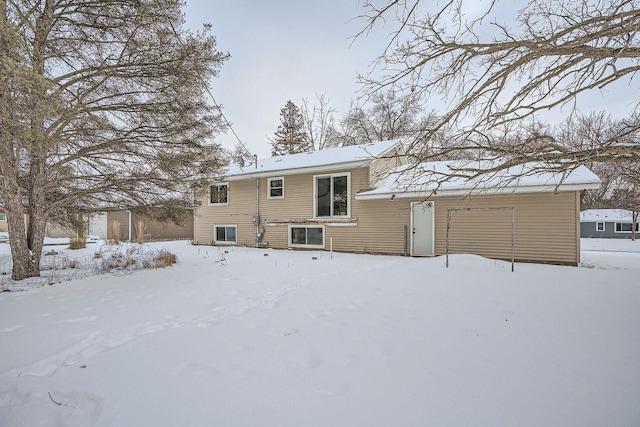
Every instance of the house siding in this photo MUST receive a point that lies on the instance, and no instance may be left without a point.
(275, 214)
(239, 212)
(379, 168)
(588, 230)
(546, 227)
(546, 224)
(153, 230)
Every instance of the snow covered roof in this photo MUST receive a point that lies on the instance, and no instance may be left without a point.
(441, 178)
(350, 156)
(605, 215)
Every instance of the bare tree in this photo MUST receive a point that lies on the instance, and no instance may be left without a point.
(319, 122)
(589, 131)
(387, 116)
(101, 104)
(500, 66)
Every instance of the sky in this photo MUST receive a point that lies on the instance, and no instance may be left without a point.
(280, 51)
(289, 50)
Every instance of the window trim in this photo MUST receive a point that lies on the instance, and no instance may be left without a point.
(615, 227)
(224, 242)
(297, 245)
(315, 195)
(218, 184)
(598, 228)
(275, 178)
(3, 217)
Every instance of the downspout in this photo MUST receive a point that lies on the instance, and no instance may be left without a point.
(129, 224)
(257, 216)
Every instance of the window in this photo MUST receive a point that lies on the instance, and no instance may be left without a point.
(224, 234)
(331, 196)
(308, 236)
(275, 188)
(625, 227)
(3, 217)
(219, 194)
(599, 226)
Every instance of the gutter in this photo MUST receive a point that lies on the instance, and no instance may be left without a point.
(400, 194)
(310, 169)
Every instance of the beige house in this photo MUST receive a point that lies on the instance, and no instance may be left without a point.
(131, 223)
(366, 199)
(3, 222)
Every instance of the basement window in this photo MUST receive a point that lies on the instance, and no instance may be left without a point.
(225, 234)
(308, 236)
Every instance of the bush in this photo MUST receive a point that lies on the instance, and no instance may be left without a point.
(165, 259)
(141, 228)
(130, 256)
(114, 231)
(77, 243)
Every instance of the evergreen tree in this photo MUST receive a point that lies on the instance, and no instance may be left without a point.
(290, 136)
(101, 104)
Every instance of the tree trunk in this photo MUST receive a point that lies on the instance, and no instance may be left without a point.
(27, 256)
(26, 262)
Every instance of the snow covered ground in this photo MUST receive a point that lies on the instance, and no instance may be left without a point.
(254, 337)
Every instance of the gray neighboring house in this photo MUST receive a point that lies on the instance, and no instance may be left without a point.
(606, 223)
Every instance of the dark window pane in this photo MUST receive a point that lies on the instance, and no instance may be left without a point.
(220, 234)
(276, 192)
(218, 193)
(340, 196)
(213, 191)
(275, 183)
(314, 236)
(222, 194)
(298, 236)
(231, 234)
(323, 194)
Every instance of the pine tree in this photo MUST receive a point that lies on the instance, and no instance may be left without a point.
(101, 104)
(290, 136)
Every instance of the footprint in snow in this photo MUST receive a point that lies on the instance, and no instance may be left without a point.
(290, 332)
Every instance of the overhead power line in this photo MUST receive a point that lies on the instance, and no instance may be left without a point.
(206, 84)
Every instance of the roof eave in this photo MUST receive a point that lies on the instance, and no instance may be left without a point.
(476, 192)
(295, 171)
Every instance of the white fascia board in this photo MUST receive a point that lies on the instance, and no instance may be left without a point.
(297, 171)
(477, 192)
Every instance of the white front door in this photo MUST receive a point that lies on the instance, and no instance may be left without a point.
(422, 216)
